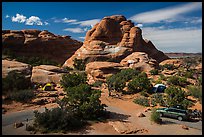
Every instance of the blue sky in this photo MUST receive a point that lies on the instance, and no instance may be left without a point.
(171, 26)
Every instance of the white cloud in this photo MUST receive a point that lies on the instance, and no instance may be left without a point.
(74, 30)
(82, 37)
(175, 40)
(139, 25)
(46, 23)
(87, 22)
(34, 20)
(7, 16)
(19, 18)
(65, 20)
(166, 14)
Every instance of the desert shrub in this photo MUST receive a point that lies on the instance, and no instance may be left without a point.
(128, 74)
(15, 80)
(56, 119)
(195, 91)
(86, 100)
(72, 79)
(140, 83)
(155, 117)
(118, 81)
(97, 84)
(145, 94)
(159, 98)
(176, 96)
(79, 64)
(200, 80)
(66, 68)
(158, 81)
(162, 77)
(168, 66)
(189, 74)
(23, 96)
(153, 102)
(190, 61)
(80, 104)
(154, 71)
(115, 83)
(142, 101)
(178, 81)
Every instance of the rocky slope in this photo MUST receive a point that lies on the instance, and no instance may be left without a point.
(36, 43)
(113, 39)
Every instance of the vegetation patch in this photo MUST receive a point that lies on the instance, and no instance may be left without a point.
(143, 101)
(80, 104)
(155, 117)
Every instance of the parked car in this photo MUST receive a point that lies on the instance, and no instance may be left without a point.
(180, 114)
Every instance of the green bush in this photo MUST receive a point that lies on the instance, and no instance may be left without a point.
(79, 64)
(168, 66)
(86, 100)
(23, 96)
(155, 117)
(195, 91)
(176, 96)
(145, 94)
(80, 104)
(115, 83)
(15, 80)
(72, 79)
(97, 84)
(159, 98)
(118, 81)
(142, 101)
(56, 119)
(154, 71)
(177, 81)
(140, 83)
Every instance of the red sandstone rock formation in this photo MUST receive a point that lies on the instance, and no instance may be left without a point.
(38, 43)
(113, 39)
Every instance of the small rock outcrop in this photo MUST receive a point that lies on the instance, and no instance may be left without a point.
(100, 70)
(141, 61)
(36, 43)
(47, 73)
(8, 66)
(113, 39)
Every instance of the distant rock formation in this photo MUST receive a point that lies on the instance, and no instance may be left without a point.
(36, 43)
(113, 39)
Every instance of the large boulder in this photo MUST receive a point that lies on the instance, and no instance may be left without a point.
(141, 61)
(113, 39)
(98, 71)
(11, 65)
(37, 43)
(46, 74)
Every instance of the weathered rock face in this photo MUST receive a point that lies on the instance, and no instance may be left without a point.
(47, 73)
(40, 44)
(8, 66)
(100, 70)
(141, 61)
(175, 62)
(113, 39)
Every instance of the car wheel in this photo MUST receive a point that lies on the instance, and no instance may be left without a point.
(161, 114)
(180, 118)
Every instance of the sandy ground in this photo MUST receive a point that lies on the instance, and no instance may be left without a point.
(124, 119)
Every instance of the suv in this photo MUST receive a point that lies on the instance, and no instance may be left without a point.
(172, 112)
